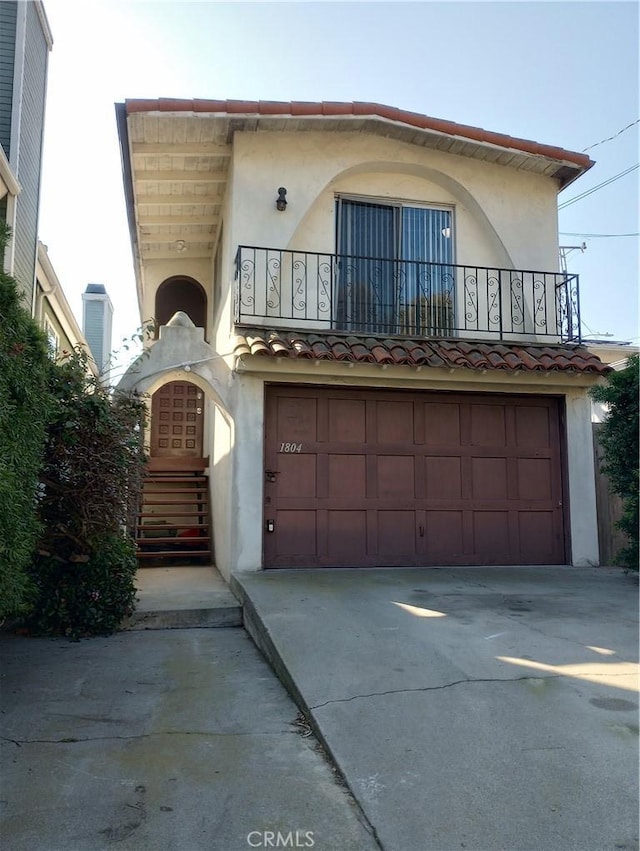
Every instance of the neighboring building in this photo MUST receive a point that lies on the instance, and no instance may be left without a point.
(54, 315)
(615, 353)
(97, 319)
(25, 42)
(354, 342)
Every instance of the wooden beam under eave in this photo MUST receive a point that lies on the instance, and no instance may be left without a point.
(191, 254)
(178, 220)
(179, 177)
(178, 200)
(204, 237)
(179, 150)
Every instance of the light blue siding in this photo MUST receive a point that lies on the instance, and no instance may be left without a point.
(30, 150)
(94, 329)
(8, 18)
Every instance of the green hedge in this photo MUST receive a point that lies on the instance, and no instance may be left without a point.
(84, 597)
(90, 477)
(71, 464)
(25, 405)
(619, 440)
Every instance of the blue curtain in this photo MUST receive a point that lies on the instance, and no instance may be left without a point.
(367, 243)
(425, 296)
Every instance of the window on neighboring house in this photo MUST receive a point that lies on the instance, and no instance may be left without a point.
(395, 272)
(53, 340)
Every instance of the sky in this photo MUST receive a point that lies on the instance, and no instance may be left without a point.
(560, 73)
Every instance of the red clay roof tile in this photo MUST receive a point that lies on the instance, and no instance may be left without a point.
(434, 353)
(339, 349)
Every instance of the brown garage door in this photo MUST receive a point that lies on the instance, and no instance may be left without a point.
(365, 478)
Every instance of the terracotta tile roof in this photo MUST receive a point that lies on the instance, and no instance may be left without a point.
(358, 110)
(437, 353)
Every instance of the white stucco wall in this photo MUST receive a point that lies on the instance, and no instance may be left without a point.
(496, 208)
(581, 476)
(495, 211)
(220, 480)
(248, 476)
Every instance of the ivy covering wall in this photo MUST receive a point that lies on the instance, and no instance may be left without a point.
(71, 462)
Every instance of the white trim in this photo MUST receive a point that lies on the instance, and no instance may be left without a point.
(10, 251)
(44, 23)
(7, 176)
(18, 85)
(53, 338)
(251, 122)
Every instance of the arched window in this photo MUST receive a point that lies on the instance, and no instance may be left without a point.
(181, 293)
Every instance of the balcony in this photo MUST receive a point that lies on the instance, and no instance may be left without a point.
(309, 291)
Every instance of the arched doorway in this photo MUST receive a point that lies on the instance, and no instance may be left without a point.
(174, 519)
(177, 424)
(181, 293)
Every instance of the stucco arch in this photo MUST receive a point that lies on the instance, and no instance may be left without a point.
(425, 172)
(183, 375)
(181, 354)
(181, 292)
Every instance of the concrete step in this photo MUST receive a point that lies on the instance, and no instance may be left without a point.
(183, 598)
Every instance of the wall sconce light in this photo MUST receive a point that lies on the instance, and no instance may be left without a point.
(281, 201)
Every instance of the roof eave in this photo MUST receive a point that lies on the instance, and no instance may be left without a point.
(571, 164)
(129, 195)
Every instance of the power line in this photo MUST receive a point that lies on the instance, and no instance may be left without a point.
(599, 186)
(597, 235)
(615, 136)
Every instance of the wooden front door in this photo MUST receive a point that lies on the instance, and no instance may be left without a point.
(382, 478)
(176, 421)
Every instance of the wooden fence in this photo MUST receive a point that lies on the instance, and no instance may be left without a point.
(609, 507)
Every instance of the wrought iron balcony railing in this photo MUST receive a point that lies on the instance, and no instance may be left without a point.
(363, 295)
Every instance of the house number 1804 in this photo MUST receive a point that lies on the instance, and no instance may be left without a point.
(290, 447)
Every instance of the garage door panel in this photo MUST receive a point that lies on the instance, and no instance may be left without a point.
(535, 478)
(441, 423)
(397, 533)
(347, 535)
(444, 535)
(538, 537)
(347, 421)
(489, 478)
(296, 476)
(415, 478)
(297, 420)
(443, 477)
(394, 422)
(488, 425)
(347, 476)
(491, 538)
(395, 477)
(295, 534)
(532, 427)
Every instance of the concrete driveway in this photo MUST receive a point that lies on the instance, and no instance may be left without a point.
(491, 709)
(163, 740)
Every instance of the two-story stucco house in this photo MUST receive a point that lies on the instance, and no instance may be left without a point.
(366, 352)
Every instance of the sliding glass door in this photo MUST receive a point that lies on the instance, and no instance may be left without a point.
(394, 268)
